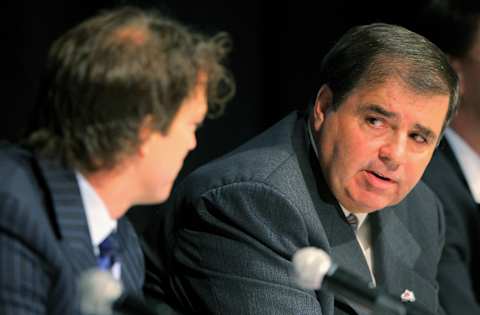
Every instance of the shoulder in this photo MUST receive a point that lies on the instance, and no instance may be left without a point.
(17, 170)
(266, 160)
(23, 201)
(20, 181)
(13, 159)
(258, 185)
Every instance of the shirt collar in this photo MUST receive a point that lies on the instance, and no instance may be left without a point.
(100, 224)
(360, 216)
(469, 161)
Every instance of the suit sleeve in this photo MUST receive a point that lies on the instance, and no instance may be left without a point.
(234, 250)
(24, 279)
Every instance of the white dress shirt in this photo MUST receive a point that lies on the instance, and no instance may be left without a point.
(100, 223)
(469, 161)
(364, 238)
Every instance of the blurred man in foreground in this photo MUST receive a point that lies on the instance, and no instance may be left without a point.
(125, 93)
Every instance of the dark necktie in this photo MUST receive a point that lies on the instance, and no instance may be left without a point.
(353, 221)
(109, 252)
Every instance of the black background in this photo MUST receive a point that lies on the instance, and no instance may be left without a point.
(278, 47)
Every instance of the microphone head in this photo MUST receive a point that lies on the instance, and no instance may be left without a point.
(97, 291)
(311, 264)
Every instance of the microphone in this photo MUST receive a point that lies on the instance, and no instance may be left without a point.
(314, 269)
(101, 294)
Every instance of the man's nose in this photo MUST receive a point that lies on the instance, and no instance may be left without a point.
(393, 152)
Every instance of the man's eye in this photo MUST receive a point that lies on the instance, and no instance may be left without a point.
(418, 138)
(374, 122)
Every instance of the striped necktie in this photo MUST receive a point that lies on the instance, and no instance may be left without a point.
(353, 221)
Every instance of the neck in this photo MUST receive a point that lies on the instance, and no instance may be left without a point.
(114, 186)
(466, 125)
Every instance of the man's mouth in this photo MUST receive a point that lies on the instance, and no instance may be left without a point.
(381, 176)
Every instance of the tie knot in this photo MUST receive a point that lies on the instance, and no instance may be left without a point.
(109, 249)
(353, 221)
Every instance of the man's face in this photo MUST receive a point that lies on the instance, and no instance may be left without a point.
(374, 148)
(165, 152)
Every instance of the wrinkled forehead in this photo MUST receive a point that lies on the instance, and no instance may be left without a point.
(420, 77)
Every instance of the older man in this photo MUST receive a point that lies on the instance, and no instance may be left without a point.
(343, 177)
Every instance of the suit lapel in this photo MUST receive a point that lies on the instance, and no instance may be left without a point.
(344, 247)
(393, 245)
(132, 263)
(70, 216)
(75, 240)
(396, 254)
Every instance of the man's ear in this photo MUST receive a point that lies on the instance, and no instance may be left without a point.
(323, 103)
(145, 133)
(457, 65)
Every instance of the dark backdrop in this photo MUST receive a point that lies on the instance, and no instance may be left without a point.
(277, 52)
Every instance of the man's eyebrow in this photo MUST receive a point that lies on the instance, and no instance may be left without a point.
(374, 108)
(427, 132)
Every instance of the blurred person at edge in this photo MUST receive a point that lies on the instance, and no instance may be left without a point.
(454, 173)
(125, 93)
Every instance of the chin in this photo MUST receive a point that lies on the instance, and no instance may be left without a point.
(365, 201)
(367, 206)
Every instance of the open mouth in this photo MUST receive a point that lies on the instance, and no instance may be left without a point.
(380, 176)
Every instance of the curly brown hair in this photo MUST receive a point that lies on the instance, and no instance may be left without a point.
(109, 73)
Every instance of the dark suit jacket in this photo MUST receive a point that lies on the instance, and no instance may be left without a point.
(459, 273)
(241, 218)
(44, 239)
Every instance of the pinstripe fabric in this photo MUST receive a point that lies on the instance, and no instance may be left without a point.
(44, 240)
